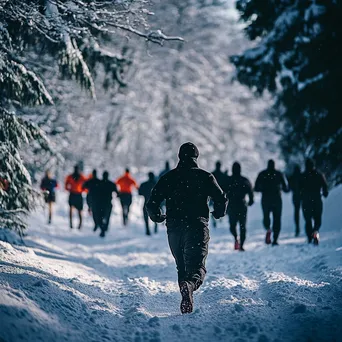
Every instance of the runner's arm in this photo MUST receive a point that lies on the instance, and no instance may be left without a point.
(154, 202)
(218, 197)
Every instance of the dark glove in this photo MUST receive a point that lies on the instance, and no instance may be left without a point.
(251, 202)
(216, 215)
(158, 218)
(325, 194)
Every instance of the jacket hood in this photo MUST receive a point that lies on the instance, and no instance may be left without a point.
(188, 151)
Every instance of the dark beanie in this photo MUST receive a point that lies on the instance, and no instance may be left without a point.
(188, 150)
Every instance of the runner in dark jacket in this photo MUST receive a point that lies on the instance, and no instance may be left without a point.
(103, 204)
(271, 183)
(92, 186)
(312, 186)
(186, 190)
(49, 185)
(145, 190)
(294, 186)
(237, 188)
(221, 178)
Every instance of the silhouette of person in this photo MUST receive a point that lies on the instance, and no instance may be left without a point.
(166, 170)
(126, 184)
(186, 190)
(270, 183)
(49, 185)
(145, 190)
(103, 203)
(221, 178)
(294, 186)
(92, 186)
(312, 186)
(237, 188)
(74, 184)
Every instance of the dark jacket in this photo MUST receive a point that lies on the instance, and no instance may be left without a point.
(313, 185)
(145, 189)
(92, 185)
(237, 187)
(294, 182)
(49, 184)
(106, 189)
(186, 190)
(220, 177)
(270, 183)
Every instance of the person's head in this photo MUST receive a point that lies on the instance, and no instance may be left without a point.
(271, 164)
(48, 174)
(151, 176)
(236, 169)
(94, 173)
(188, 151)
(76, 170)
(167, 165)
(296, 169)
(105, 175)
(218, 165)
(127, 170)
(309, 164)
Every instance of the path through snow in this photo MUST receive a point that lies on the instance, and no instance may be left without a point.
(67, 285)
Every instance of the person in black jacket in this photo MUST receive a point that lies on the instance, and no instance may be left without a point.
(186, 190)
(92, 186)
(49, 186)
(270, 183)
(221, 178)
(294, 186)
(145, 190)
(103, 203)
(312, 186)
(237, 188)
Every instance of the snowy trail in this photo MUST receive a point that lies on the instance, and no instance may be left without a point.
(67, 285)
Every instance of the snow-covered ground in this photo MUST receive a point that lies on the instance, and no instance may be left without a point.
(67, 285)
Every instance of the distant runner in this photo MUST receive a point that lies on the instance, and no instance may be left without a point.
(271, 183)
(312, 186)
(49, 186)
(294, 186)
(126, 184)
(145, 190)
(74, 184)
(238, 187)
(103, 202)
(92, 186)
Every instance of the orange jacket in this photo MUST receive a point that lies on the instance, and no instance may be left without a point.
(126, 183)
(75, 186)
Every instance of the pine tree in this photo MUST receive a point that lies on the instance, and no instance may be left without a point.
(72, 35)
(297, 58)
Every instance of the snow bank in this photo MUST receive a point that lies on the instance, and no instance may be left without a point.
(72, 286)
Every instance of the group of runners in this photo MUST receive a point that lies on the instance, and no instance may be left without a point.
(99, 195)
(306, 188)
(180, 197)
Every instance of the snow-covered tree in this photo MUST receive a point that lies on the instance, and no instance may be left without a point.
(71, 35)
(297, 58)
(178, 93)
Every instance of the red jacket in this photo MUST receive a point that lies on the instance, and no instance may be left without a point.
(126, 183)
(75, 186)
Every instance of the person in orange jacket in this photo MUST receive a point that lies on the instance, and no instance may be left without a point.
(126, 184)
(74, 184)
